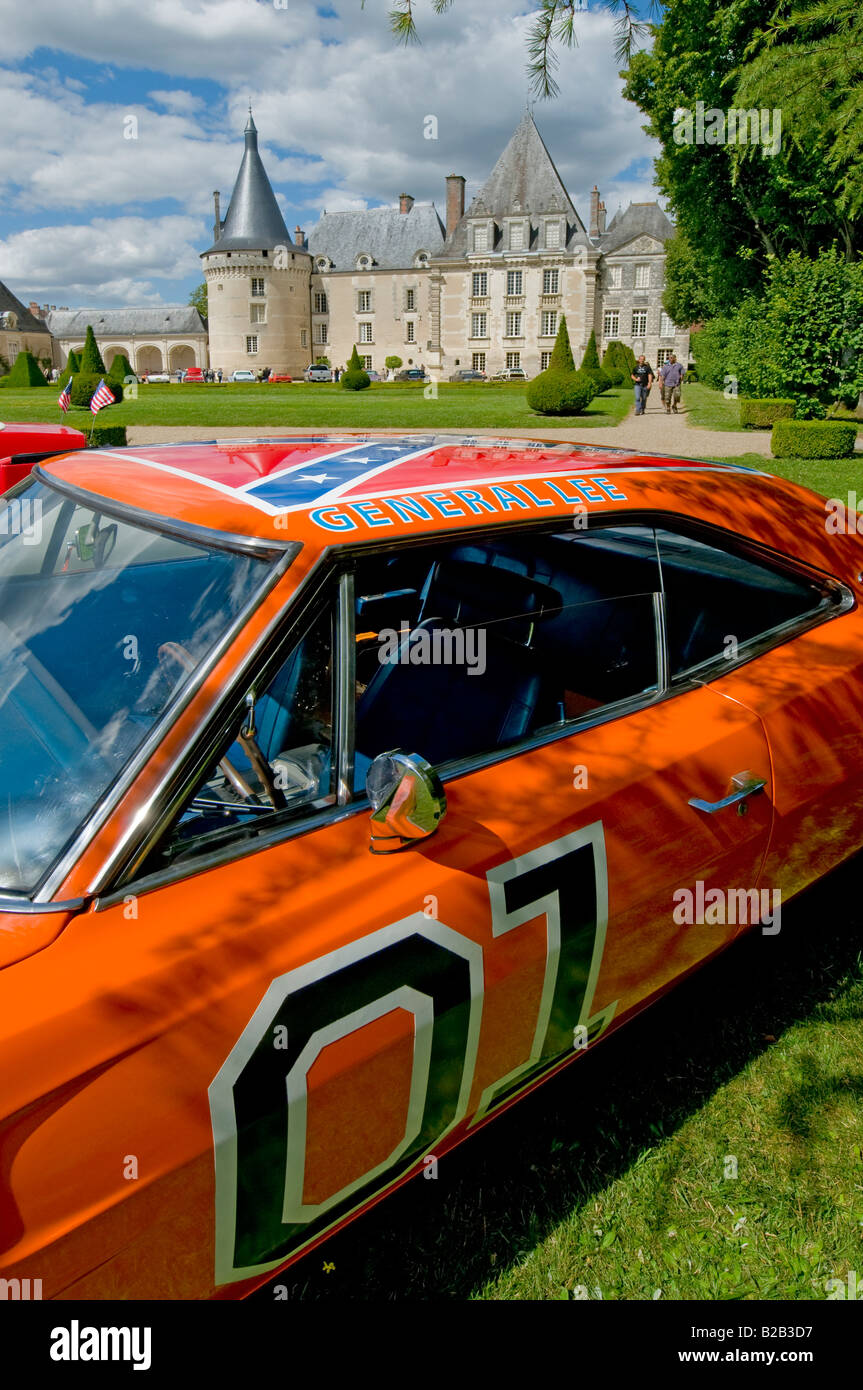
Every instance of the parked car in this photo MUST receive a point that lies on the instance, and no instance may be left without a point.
(317, 372)
(411, 374)
(155, 378)
(243, 375)
(468, 376)
(209, 958)
(372, 374)
(279, 376)
(22, 446)
(511, 374)
(192, 374)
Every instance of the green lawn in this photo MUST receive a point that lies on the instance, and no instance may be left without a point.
(710, 1150)
(709, 409)
(829, 477)
(322, 406)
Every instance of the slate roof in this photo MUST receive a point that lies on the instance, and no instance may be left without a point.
(639, 219)
(254, 221)
(175, 319)
(27, 322)
(524, 179)
(390, 237)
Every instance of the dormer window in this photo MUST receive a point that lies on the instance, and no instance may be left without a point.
(421, 260)
(517, 236)
(323, 263)
(553, 237)
(364, 261)
(480, 238)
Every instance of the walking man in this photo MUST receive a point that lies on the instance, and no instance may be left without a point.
(642, 375)
(670, 377)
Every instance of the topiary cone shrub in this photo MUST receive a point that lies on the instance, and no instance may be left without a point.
(354, 377)
(91, 357)
(26, 372)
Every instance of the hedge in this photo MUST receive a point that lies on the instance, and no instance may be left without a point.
(107, 436)
(813, 439)
(762, 414)
(560, 393)
(84, 384)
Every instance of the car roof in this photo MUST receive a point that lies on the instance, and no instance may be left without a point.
(330, 489)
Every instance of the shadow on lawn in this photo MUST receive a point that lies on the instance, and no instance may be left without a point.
(500, 1193)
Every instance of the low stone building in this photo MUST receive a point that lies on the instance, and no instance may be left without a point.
(22, 331)
(164, 338)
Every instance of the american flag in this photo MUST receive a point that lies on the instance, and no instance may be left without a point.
(65, 396)
(101, 396)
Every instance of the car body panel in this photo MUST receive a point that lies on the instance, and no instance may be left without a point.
(134, 1024)
(22, 445)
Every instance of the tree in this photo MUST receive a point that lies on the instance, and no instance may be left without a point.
(73, 362)
(735, 206)
(198, 300)
(800, 337)
(809, 63)
(562, 359)
(91, 357)
(392, 363)
(553, 28)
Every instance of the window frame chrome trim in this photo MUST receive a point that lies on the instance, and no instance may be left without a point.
(345, 688)
(257, 546)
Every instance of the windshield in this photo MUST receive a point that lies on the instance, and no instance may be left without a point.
(101, 623)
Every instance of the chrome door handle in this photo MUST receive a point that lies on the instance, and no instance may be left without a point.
(746, 785)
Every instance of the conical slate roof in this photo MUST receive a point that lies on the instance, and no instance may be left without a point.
(254, 221)
(524, 179)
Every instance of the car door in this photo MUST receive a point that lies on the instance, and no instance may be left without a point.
(265, 1025)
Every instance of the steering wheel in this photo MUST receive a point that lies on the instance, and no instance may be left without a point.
(175, 651)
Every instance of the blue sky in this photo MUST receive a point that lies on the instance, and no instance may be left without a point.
(116, 136)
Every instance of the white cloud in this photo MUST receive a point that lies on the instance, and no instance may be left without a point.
(180, 102)
(348, 115)
(107, 261)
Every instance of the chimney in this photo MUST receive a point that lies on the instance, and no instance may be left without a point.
(594, 212)
(299, 236)
(601, 219)
(406, 202)
(454, 202)
(34, 309)
(217, 225)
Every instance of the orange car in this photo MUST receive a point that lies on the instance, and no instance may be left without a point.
(353, 785)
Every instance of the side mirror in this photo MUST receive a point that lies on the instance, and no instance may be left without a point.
(408, 801)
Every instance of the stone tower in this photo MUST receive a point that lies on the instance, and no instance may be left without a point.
(258, 279)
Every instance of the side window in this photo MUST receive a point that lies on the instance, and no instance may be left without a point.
(716, 601)
(275, 762)
(468, 648)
